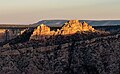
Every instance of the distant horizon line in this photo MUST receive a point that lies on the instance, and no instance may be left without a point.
(63, 19)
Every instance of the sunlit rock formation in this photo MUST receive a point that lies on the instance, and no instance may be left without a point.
(42, 30)
(70, 27)
(74, 26)
(87, 27)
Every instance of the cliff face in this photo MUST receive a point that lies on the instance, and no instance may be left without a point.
(70, 27)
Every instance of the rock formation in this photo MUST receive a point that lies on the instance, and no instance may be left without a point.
(42, 30)
(87, 27)
(74, 26)
(70, 27)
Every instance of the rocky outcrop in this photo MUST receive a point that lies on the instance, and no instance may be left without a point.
(70, 27)
(86, 27)
(73, 26)
(41, 30)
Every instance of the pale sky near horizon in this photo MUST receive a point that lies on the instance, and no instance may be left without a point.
(31, 11)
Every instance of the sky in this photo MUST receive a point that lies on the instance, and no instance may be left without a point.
(32, 11)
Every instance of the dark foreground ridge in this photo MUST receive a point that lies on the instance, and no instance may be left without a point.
(93, 56)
